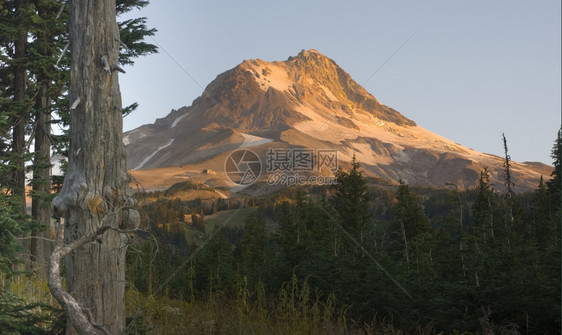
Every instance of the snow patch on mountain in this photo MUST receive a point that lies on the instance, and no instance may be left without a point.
(178, 119)
(127, 138)
(252, 140)
(153, 154)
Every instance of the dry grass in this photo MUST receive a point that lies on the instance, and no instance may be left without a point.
(32, 289)
(294, 311)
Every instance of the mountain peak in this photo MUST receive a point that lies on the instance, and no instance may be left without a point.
(307, 101)
(310, 53)
(316, 67)
(313, 60)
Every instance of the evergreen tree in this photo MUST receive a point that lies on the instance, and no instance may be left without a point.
(252, 250)
(482, 232)
(294, 236)
(133, 33)
(34, 81)
(410, 221)
(10, 226)
(554, 184)
(507, 169)
(16, 316)
(47, 81)
(215, 272)
(509, 193)
(351, 200)
(541, 215)
(483, 207)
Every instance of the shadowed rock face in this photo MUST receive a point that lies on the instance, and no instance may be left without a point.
(308, 101)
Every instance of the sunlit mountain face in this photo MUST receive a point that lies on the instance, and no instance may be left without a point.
(309, 103)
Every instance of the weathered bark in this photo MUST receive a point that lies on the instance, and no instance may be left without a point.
(96, 181)
(79, 317)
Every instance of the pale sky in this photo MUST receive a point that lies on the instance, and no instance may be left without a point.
(472, 71)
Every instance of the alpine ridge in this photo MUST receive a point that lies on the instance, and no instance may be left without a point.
(308, 101)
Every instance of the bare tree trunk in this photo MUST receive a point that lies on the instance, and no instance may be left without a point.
(95, 189)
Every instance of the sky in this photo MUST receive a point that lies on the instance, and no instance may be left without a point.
(466, 70)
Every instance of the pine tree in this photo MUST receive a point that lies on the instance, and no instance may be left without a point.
(16, 316)
(483, 207)
(351, 200)
(47, 78)
(515, 231)
(252, 250)
(543, 230)
(294, 233)
(410, 221)
(507, 169)
(481, 237)
(554, 184)
(509, 194)
(15, 104)
(33, 85)
(133, 33)
(215, 272)
(10, 226)
(20, 115)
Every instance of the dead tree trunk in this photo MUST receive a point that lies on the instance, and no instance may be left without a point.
(94, 192)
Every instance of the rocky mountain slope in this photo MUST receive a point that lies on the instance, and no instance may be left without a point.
(308, 101)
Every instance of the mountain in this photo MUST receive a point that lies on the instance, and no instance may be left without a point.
(306, 102)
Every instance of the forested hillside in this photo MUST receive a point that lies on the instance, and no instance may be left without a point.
(358, 257)
(373, 257)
